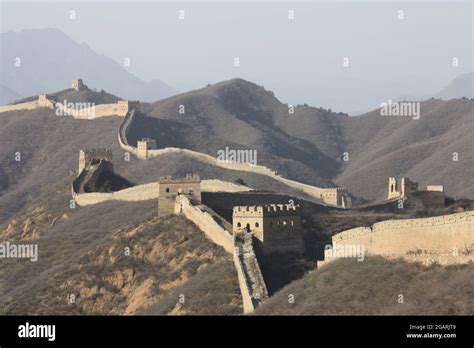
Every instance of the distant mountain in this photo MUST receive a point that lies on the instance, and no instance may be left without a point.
(49, 59)
(461, 86)
(8, 95)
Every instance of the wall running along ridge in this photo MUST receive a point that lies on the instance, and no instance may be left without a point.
(122, 133)
(325, 195)
(145, 192)
(251, 282)
(100, 110)
(446, 239)
(202, 216)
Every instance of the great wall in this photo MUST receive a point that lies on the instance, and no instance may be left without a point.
(331, 196)
(148, 191)
(240, 245)
(336, 196)
(121, 108)
(444, 239)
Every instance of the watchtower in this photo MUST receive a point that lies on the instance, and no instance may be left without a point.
(125, 106)
(171, 187)
(144, 145)
(335, 196)
(77, 85)
(94, 156)
(276, 227)
(404, 190)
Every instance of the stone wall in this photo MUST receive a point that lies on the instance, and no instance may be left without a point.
(97, 111)
(214, 185)
(131, 194)
(251, 282)
(445, 239)
(35, 104)
(252, 285)
(316, 192)
(323, 195)
(143, 192)
(123, 132)
(204, 218)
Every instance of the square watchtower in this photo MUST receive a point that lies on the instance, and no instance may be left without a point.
(170, 188)
(77, 85)
(276, 227)
(144, 145)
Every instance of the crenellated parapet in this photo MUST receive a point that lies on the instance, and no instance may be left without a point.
(276, 227)
(446, 239)
(173, 187)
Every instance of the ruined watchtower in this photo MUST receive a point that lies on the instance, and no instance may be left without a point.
(404, 190)
(93, 157)
(125, 106)
(171, 187)
(77, 85)
(408, 190)
(144, 145)
(276, 227)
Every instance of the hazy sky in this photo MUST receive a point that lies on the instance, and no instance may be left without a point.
(301, 60)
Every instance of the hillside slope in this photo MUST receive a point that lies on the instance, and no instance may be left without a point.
(421, 149)
(372, 287)
(241, 115)
(83, 252)
(8, 95)
(306, 146)
(49, 151)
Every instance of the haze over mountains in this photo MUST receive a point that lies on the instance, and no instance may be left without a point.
(48, 59)
(461, 86)
(48, 70)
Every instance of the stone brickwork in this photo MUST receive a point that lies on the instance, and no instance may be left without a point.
(126, 105)
(276, 227)
(148, 191)
(444, 239)
(335, 196)
(206, 219)
(171, 187)
(121, 108)
(408, 190)
(251, 282)
(145, 145)
(404, 189)
(77, 85)
(329, 196)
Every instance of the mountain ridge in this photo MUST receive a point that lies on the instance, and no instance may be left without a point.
(50, 70)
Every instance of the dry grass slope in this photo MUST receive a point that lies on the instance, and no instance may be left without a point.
(83, 253)
(372, 287)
